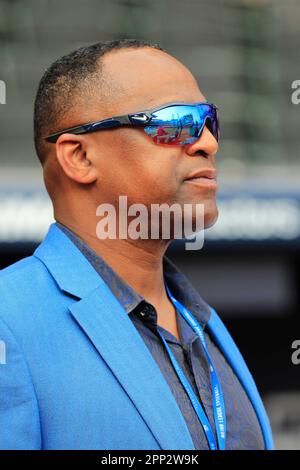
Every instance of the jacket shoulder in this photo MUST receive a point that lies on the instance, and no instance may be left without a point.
(29, 271)
(25, 263)
(25, 287)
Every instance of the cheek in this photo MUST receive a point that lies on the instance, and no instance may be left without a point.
(138, 168)
(161, 178)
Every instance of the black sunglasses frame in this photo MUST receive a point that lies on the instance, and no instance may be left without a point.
(138, 119)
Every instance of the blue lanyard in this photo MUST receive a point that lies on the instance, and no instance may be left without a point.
(218, 400)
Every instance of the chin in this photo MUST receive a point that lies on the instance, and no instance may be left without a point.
(210, 217)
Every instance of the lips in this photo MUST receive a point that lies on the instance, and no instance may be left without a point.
(202, 175)
(206, 176)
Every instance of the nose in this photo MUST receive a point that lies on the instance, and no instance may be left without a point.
(206, 143)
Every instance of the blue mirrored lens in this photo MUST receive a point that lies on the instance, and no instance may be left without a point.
(182, 124)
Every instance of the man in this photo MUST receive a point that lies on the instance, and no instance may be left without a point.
(108, 345)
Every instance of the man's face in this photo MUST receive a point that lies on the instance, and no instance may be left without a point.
(128, 162)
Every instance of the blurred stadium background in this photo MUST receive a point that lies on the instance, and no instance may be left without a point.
(245, 55)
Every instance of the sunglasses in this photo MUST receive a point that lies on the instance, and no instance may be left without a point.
(172, 124)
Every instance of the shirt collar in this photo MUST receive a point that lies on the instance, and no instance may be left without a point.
(178, 284)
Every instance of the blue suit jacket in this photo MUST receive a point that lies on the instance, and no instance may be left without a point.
(71, 379)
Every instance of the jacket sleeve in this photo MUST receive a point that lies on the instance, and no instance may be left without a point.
(19, 417)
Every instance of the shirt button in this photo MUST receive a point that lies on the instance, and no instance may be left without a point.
(147, 311)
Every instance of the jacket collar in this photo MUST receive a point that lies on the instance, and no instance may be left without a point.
(68, 266)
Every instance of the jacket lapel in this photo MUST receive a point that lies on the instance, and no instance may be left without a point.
(112, 333)
(120, 345)
(230, 351)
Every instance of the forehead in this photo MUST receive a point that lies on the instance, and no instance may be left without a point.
(145, 78)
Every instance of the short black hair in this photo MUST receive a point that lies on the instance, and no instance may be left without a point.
(65, 78)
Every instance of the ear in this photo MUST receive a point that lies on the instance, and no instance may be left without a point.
(72, 155)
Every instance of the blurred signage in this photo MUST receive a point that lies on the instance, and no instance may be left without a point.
(26, 216)
(257, 217)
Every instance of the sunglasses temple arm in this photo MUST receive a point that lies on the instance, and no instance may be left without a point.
(117, 121)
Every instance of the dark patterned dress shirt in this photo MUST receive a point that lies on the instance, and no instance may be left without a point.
(243, 429)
